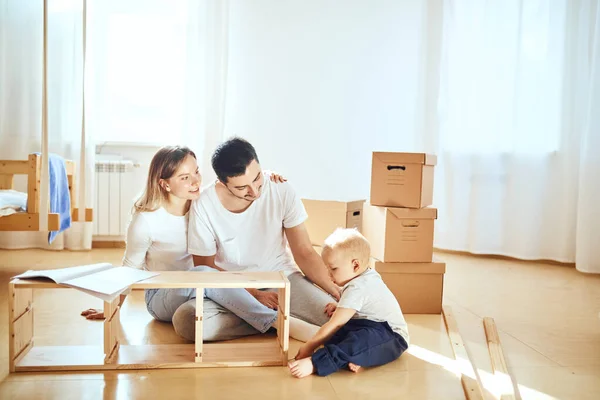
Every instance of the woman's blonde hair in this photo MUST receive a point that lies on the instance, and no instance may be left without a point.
(163, 165)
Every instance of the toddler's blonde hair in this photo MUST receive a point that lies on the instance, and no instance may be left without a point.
(351, 242)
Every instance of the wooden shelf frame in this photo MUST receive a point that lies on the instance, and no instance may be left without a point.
(30, 220)
(111, 355)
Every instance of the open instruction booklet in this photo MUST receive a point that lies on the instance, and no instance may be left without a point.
(104, 280)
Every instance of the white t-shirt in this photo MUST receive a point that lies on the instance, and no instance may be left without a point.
(253, 240)
(157, 241)
(373, 300)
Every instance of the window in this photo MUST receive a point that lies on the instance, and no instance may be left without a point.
(501, 76)
(139, 64)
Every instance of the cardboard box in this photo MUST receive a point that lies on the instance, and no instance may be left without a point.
(418, 287)
(399, 234)
(324, 216)
(402, 179)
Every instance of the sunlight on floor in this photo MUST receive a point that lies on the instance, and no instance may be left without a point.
(497, 384)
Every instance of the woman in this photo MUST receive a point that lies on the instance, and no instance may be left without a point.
(157, 241)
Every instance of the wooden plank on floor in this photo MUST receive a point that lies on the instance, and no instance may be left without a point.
(469, 378)
(507, 382)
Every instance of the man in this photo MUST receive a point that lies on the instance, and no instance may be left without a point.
(241, 223)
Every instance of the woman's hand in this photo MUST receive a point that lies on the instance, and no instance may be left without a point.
(275, 177)
(92, 313)
(269, 299)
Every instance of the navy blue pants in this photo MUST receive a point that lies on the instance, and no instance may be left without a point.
(362, 342)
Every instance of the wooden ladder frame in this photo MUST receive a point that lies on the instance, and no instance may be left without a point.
(25, 357)
(30, 220)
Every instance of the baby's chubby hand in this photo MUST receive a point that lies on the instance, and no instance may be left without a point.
(330, 309)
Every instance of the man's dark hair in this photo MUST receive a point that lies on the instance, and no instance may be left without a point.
(232, 157)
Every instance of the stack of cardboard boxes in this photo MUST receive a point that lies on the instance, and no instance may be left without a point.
(399, 224)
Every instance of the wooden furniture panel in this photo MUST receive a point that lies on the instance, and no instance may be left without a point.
(112, 355)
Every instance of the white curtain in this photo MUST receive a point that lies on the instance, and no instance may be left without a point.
(206, 80)
(158, 72)
(587, 17)
(517, 124)
(21, 69)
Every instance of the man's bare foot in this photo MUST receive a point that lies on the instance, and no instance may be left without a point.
(353, 367)
(92, 313)
(301, 368)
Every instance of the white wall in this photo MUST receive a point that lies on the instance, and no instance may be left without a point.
(317, 86)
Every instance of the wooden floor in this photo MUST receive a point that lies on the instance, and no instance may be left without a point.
(547, 315)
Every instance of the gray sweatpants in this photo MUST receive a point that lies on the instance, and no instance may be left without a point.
(307, 302)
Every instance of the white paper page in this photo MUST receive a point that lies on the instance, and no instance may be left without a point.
(110, 282)
(104, 297)
(62, 275)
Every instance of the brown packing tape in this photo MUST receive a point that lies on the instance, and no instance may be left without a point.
(405, 158)
(435, 267)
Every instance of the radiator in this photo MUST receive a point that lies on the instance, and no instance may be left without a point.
(115, 191)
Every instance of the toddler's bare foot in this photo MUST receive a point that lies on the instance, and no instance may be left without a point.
(301, 368)
(353, 367)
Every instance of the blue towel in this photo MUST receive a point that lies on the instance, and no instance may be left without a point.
(60, 200)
